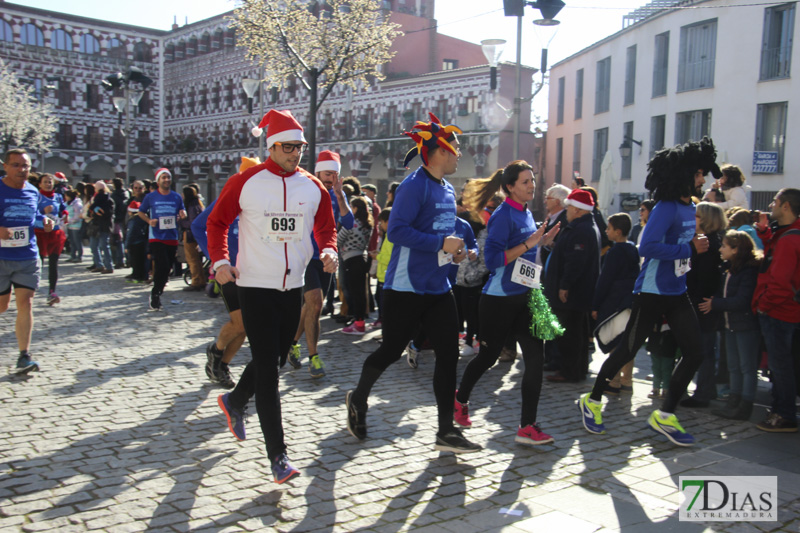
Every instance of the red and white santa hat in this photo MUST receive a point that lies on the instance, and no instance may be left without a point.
(163, 170)
(580, 199)
(328, 160)
(133, 207)
(281, 127)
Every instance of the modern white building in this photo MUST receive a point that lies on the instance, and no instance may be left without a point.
(679, 70)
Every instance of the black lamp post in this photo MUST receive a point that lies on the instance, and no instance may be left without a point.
(123, 104)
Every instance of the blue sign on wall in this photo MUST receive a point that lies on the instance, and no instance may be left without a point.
(765, 162)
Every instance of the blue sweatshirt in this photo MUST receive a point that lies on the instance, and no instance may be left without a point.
(161, 207)
(57, 201)
(665, 238)
(19, 213)
(423, 214)
(199, 232)
(510, 225)
(464, 232)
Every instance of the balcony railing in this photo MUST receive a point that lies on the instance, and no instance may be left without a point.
(775, 62)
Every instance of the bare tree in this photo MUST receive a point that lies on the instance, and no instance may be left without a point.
(321, 43)
(24, 120)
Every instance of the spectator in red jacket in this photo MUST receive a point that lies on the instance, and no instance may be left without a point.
(776, 302)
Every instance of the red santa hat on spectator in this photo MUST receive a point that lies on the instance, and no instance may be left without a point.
(163, 170)
(133, 207)
(328, 160)
(281, 127)
(60, 176)
(580, 199)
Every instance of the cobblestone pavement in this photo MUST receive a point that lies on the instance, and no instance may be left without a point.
(120, 431)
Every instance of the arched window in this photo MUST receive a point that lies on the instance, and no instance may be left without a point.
(169, 53)
(61, 40)
(205, 44)
(142, 52)
(180, 50)
(116, 49)
(230, 38)
(191, 47)
(216, 43)
(31, 35)
(6, 33)
(89, 44)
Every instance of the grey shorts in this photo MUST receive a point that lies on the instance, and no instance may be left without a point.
(21, 274)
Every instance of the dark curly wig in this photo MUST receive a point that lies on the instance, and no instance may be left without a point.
(670, 174)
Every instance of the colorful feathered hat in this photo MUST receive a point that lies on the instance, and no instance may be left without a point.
(431, 135)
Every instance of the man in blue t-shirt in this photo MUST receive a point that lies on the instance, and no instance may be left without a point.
(162, 209)
(19, 256)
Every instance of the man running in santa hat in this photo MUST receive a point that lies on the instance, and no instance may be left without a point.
(278, 206)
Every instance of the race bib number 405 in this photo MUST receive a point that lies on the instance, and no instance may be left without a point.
(282, 227)
(19, 236)
(526, 273)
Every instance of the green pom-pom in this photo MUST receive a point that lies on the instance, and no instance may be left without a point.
(545, 324)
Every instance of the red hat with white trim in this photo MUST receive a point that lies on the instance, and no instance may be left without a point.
(281, 127)
(163, 170)
(328, 160)
(580, 199)
(60, 176)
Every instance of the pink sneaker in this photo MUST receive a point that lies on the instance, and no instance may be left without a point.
(531, 434)
(461, 414)
(356, 328)
(53, 299)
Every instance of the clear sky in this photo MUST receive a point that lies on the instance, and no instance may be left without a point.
(583, 22)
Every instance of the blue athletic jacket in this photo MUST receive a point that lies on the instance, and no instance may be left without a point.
(199, 232)
(423, 214)
(509, 226)
(665, 238)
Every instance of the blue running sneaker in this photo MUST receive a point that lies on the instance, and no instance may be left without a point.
(235, 416)
(281, 469)
(670, 427)
(294, 356)
(592, 415)
(25, 365)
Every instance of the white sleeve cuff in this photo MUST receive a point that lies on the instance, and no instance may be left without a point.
(329, 251)
(220, 263)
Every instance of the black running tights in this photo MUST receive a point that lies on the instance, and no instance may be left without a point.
(648, 309)
(503, 317)
(403, 314)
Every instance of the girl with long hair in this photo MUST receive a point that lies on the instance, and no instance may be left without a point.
(352, 245)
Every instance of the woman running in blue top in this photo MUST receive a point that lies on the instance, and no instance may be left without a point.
(503, 308)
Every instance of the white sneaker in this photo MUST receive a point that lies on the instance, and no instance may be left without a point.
(467, 351)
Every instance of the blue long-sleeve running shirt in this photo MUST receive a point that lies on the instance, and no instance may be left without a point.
(665, 241)
(423, 214)
(199, 231)
(510, 225)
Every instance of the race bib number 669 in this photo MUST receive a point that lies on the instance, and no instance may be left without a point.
(526, 273)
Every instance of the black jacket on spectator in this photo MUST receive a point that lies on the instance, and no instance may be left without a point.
(546, 250)
(704, 278)
(574, 265)
(121, 198)
(614, 288)
(738, 299)
(102, 210)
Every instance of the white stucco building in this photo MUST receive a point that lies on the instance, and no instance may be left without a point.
(677, 71)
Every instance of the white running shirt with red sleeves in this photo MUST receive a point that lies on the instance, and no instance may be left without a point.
(276, 218)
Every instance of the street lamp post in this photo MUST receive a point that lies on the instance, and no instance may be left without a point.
(516, 8)
(124, 104)
(250, 86)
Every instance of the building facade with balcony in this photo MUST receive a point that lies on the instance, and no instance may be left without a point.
(194, 118)
(677, 71)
